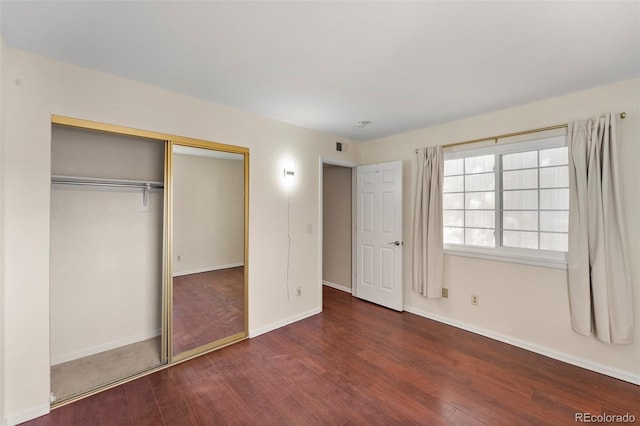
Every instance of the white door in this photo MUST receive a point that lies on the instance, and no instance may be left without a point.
(379, 234)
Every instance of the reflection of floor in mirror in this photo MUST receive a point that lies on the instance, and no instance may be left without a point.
(83, 374)
(207, 307)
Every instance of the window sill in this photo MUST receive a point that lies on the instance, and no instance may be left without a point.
(491, 254)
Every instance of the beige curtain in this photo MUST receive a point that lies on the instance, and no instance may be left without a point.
(427, 253)
(599, 285)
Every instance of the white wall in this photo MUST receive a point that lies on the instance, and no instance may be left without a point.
(208, 214)
(41, 87)
(522, 304)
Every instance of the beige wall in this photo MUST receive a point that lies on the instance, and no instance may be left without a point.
(208, 214)
(523, 304)
(80, 152)
(106, 270)
(336, 227)
(41, 87)
(2, 293)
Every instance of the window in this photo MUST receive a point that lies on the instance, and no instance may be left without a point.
(509, 201)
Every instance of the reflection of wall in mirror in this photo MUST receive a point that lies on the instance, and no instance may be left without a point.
(208, 214)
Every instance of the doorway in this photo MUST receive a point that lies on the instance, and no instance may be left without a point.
(361, 231)
(337, 214)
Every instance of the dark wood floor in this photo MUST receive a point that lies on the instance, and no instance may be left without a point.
(358, 363)
(207, 307)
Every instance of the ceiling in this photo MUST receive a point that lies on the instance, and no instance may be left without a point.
(325, 65)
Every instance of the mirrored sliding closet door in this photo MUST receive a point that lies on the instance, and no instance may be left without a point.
(208, 222)
(148, 252)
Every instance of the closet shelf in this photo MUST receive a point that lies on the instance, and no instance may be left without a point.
(91, 181)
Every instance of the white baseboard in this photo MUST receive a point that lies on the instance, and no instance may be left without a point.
(570, 359)
(337, 286)
(26, 415)
(70, 356)
(207, 269)
(262, 330)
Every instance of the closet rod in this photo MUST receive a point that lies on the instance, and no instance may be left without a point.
(118, 183)
(622, 115)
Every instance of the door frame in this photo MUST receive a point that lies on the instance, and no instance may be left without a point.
(351, 165)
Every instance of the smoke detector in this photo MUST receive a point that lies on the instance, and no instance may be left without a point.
(362, 124)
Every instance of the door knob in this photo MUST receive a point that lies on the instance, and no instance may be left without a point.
(395, 243)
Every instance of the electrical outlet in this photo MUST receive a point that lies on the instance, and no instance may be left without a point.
(299, 291)
(445, 293)
(179, 258)
(475, 300)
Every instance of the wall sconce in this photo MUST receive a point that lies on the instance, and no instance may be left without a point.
(287, 175)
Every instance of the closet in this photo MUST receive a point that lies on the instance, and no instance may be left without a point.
(107, 198)
(148, 252)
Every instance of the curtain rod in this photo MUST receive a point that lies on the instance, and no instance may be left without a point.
(622, 115)
(118, 183)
